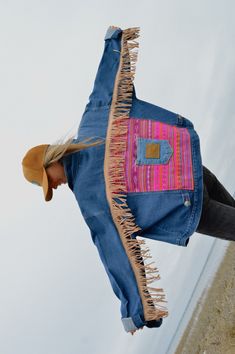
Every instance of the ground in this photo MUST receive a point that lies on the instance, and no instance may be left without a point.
(212, 326)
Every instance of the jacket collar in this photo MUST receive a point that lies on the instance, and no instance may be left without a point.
(71, 163)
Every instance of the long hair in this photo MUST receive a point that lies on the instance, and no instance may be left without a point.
(61, 148)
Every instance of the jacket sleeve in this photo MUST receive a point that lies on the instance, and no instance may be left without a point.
(102, 92)
(119, 271)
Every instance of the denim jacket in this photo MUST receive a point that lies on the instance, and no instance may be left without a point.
(144, 180)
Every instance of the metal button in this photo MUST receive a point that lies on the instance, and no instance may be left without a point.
(187, 203)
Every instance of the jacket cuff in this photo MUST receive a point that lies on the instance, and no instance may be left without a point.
(132, 323)
(128, 324)
(112, 32)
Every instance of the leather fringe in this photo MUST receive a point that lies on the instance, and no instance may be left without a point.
(114, 172)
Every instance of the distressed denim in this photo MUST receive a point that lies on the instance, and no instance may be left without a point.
(218, 209)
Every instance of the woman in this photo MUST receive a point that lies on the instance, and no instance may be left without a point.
(142, 176)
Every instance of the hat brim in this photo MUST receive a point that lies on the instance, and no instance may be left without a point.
(47, 190)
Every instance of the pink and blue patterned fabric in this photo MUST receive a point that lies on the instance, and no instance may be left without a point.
(172, 171)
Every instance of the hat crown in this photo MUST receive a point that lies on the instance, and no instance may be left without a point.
(33, 164)
(34, 157)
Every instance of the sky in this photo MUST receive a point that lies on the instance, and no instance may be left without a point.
(55, 295)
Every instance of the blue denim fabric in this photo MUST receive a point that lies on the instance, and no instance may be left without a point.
(169, 216)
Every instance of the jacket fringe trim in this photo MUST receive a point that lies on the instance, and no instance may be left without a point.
(114, 173)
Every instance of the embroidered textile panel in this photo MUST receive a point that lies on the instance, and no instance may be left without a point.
(158, 157)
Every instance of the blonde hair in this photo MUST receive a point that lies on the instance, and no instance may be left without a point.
(56, 151)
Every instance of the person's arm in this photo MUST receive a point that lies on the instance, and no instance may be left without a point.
(118, 254)
(104, 81)
(119, 271)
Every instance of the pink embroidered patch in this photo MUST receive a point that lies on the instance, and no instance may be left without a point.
(176, 174)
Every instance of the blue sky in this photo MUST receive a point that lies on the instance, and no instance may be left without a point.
(55, 295)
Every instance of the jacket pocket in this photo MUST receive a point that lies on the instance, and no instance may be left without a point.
(153, 151)
(179, 210)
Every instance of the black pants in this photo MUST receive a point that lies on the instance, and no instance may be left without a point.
(218, 209)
